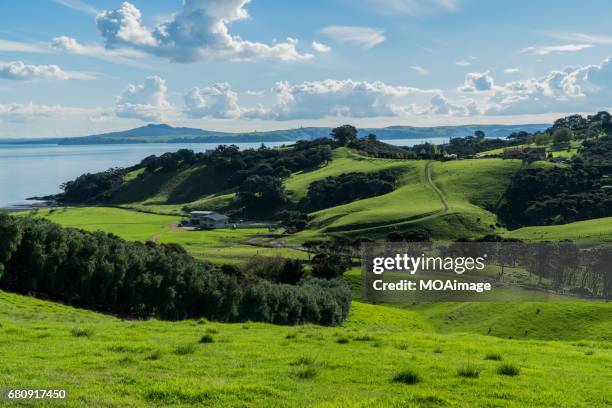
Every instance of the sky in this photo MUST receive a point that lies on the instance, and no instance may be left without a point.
(78, 67)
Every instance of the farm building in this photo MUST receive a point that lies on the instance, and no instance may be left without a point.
(536, 153)
(208, 219)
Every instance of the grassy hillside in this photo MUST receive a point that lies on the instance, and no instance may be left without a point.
(344, 161)
(597, 230)
(554, 320)
(451, 199)
(106, 361)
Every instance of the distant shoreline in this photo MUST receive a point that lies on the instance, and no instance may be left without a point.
(28, 207)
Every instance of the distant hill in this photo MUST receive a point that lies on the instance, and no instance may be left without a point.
(162, 133)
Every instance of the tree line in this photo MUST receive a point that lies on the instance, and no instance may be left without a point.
(103, 272)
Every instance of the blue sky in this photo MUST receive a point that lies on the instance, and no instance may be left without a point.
(74, 67)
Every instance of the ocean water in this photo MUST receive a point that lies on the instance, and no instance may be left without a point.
(39, 170)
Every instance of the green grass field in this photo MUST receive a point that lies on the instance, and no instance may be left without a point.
(105, 361)
(217, 246)
(130, 225)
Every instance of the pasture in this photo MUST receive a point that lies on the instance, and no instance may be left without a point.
(106, 361)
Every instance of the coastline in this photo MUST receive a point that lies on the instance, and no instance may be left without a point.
(28, 207)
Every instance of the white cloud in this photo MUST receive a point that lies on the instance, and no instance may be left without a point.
(199, 31)
(573, 89)
(337, 98)
(17, 46)
(255, 93)
(217, 101)
(463, 63)
(20, 71)
(118, 56)
(147, 102)
(557, 49)
(72, 46)
(477, 81)
(511, 71)
(419, 70)
(319, 47)
(79, 5)
(581, 37)
(365, 37)
(412, 7)
(441, 105)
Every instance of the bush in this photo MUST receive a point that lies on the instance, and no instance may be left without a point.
(207, 338)
(508, 369)
(469, 371)
(293, 220)
(185, 349)
(306, 373)
(82, 332)
(155, 355)
(407, 376)
(303, 361)
(343, 340)
(493, 356)
(330, 266)
(275, 269)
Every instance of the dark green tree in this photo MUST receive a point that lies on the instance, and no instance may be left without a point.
(344, 134)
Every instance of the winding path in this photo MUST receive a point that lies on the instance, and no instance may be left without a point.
(434, 187)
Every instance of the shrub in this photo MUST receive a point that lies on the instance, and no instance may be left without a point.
(342, 340)
(306, 373)
(303, 361)
(365, 337)
(330, 266)
(407, 376)
(155, 355)
(508, 369)
(82, 332)
(185, 349)
(207, 338)
(469, 371)
(275, 269)
(493, 356)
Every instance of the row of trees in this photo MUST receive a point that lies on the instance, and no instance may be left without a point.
(563, 266)
(103, 272)
(560, 266)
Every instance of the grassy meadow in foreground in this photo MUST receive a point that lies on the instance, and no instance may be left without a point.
(105, 361)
